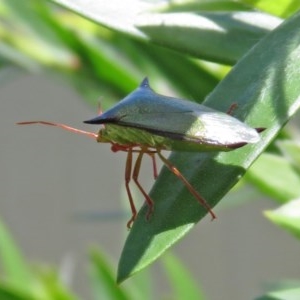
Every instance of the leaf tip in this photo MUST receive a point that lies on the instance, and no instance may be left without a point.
(121, 278)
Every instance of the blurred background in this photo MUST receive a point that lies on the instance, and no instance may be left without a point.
(60, 192)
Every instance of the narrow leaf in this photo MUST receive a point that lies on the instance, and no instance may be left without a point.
(291, 151)
(210, 5)
(102, 279)
(281, 8)
(16, 271)
(115, 14)
(275, 176)
(201, 34)
(35, 35)
(287, 216)
(8, 292)
(183, 284)
(198, 34)
(284, 294)
(265, 85)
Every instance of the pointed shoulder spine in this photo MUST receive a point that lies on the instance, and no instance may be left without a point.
(145, 83)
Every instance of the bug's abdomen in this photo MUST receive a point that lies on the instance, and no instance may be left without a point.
(132, 136)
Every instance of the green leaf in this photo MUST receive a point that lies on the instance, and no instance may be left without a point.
(281, 8)
(104, 286)
(287, 216)
(48, 286)
(30, 29)
(203, 5)
(217, 36)
(265, 86)
(283, 294)
(275, 176)
(118, 15)
(220, 37)
(15, 270)
(17, 57)
(197, 84)
(184, 286)
(20, 283)
(102, 279)
(8, 292)
(103, 57)
(291, 151)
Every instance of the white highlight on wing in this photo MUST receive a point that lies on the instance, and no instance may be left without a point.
(224, 129)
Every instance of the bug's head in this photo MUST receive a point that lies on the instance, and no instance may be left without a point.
(103, 135)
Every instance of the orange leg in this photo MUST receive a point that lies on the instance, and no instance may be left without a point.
(231, 109)
(176, 172)
(63, 126)
(152, 155)
(135, 176)
(127, 180)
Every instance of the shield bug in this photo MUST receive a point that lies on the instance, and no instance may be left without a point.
(145, 122)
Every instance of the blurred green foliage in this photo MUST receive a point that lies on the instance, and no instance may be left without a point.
(108, 55)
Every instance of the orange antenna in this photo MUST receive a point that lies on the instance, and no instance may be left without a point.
(63, 126)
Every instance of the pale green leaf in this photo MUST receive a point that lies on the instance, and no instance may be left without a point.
(291, 150)
(217, 36)
(287, 216)
(183, 284)
(275, 176)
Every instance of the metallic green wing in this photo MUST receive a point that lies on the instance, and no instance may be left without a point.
(179, 120)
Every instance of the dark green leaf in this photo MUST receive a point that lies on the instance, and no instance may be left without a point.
(8, 292)
(209, 5)
(265, 85)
